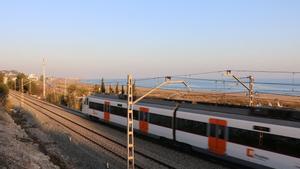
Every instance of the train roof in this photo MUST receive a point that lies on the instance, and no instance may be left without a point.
(280, 116)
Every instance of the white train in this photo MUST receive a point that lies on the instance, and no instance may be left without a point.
(259, 138)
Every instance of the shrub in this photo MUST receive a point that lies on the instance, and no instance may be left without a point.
(3, 93)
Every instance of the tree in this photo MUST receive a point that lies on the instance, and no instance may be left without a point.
(41, 78)
(117, 88)
(63, 100)
(96, 88)
(3, 93)
(102, 86)
(52, 98)
(11, 84)
(71, 100)
(19, 77)
(36, 89)
(82, 92)
(72, 89)
(110, 89)
(122, 91)
(2, 77)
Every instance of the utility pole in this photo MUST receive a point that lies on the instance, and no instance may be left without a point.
(44, 78)
(16, 84)
(130, 103)
(251, 91)
(21, 87)
(130, 136)
(29, 91)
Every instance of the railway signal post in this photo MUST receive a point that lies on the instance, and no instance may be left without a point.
(130, 103)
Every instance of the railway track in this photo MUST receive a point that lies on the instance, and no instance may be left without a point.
(110, 145)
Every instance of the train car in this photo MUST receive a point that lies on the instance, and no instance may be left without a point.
(259, 138)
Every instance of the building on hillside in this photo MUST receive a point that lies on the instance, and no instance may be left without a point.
(33, 77)
(5, 79)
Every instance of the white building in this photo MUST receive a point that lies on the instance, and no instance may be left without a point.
(33, 77)
(5, 78)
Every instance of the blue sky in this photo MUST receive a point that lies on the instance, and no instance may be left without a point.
(91, 39)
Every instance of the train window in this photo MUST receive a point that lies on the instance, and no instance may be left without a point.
(212, 130)
(221, 132)
(113, 110)
(281, 144)
(160, 120)
(119, 111)
(135, 115)
(191, 126)
(270, 142)
(143, 116)
(106, 107)
(96, 106)
(244, 137)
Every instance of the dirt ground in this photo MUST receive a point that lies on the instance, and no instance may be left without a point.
(17, 149)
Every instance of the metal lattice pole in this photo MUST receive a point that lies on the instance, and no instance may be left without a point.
(130, 136)
(251, 91)
(130, 103)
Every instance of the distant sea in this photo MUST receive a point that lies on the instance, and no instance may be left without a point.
(277, 86)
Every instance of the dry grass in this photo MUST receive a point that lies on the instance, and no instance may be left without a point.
(208, 97)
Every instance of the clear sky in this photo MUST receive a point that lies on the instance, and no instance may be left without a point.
(91, 39)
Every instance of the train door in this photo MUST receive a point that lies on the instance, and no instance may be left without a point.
(217, 136)
(144, 119)
(106, 111)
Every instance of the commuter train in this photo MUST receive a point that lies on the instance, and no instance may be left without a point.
(255, 137)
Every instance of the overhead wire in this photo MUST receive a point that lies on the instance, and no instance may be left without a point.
(154, 81)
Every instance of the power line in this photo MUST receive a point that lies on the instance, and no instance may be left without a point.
(179, 75)
(231, 81)
(201, 73)
(267, 71)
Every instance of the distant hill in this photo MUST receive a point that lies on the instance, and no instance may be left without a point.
(10, 72)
